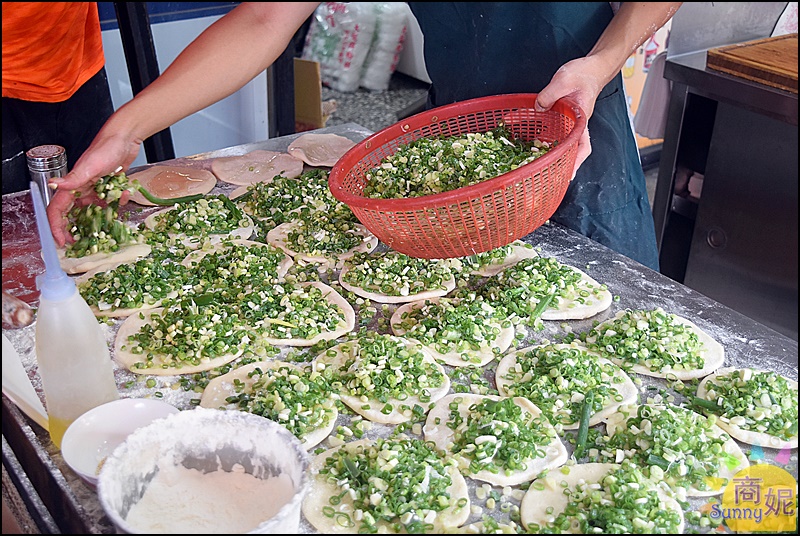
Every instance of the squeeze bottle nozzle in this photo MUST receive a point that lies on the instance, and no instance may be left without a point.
(54, 284)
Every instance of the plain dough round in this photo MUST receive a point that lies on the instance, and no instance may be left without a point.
(256, 166)
(747, 436)
(169, 182)
(519, 250)
(320, 149)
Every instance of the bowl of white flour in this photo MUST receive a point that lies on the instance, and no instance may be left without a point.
(206, 471)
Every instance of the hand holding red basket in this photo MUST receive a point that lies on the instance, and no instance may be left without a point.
(475, 218)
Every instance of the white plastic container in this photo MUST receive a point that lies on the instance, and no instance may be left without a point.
(71, 350)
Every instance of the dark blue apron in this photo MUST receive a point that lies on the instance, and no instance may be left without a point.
(475, 49)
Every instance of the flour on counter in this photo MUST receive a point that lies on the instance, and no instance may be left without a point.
(188, 501)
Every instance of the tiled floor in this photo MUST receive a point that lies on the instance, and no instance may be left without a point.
(376, 110)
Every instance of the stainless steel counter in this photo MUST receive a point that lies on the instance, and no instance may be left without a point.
(43, 476)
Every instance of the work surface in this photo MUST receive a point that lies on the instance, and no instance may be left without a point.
(74, 505)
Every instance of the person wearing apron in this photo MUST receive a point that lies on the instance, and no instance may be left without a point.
(477, 49)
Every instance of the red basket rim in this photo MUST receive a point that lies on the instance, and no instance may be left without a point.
(511, 100)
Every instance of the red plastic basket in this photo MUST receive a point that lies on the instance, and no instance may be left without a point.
(475, 218)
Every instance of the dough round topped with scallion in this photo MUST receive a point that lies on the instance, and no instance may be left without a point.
(542, 287)
(387, 485)
(679, 446)
(501, 440)
(458, 332)
(291, 395)
(656, 343)
(122, 289)
(385, 379)
(556, 378)
(209, 219)
(321, 240)
(238, 262)
(164, 341)
(492, 262)
(284, 199)
(393, 277)
(600, 498)
(299, 314)
(757, 407)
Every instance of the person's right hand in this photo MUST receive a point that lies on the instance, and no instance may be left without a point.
(108, 152)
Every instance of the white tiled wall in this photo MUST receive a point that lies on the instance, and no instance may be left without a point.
(240, 118)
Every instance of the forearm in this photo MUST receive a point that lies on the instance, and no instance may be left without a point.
(225, 57)
(632, 25)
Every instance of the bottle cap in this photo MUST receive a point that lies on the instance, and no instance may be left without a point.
(54, 284)
(46, 158)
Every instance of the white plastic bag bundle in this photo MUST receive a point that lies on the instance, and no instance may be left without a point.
(339, 38)
(387, 44)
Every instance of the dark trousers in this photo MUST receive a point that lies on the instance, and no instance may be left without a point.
(72, 124)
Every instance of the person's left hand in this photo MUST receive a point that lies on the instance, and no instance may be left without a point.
(581, 79)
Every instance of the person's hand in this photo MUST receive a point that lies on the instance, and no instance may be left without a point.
(581, 80)
(107, 153)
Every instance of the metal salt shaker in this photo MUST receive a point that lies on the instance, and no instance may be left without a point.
(46, 162)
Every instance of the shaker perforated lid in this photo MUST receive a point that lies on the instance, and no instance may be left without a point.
(46, 158)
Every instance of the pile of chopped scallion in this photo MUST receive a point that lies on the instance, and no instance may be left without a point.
(429, 166)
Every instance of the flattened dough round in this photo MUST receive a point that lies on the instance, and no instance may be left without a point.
(255, 166)
(193, 241)
(122, 312)
(222, 387)
(350, 349)
(320, 149)
(479, 357)
(193, 257)
(714, 353)
(619, 421)
(318, 497)
(169, 182)
(334, 299)
(536, 502)
(741, 431)
(79, 265)
(442, 435)
(507, 370)
(279, 237)
(489, 264)
(128, 359)
(409, 278)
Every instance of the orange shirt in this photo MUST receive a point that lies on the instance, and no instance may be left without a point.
(49, 49)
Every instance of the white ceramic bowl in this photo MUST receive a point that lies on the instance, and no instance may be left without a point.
(93, 436)
(204, 471)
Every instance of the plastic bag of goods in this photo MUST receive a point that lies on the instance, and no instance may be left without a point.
(387, 44)
(339, 38)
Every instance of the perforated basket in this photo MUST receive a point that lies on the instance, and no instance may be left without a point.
(474, 218)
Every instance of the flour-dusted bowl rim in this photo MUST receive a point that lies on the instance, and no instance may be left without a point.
(93, 436)
(208, 440)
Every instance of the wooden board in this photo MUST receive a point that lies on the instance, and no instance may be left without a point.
(771, 61)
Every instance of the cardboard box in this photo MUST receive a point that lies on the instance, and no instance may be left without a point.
(309, 111)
